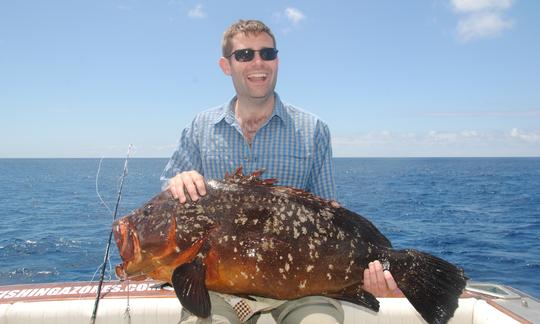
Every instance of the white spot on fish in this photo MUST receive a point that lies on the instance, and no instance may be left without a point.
(296, 234)
(302, 284)
(309, 268)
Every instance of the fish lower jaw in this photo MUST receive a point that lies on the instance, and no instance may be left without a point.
(120, 272)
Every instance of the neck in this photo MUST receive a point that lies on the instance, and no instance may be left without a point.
(247, 109)
(252, 115)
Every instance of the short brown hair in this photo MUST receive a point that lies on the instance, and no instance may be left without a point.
(246, 27)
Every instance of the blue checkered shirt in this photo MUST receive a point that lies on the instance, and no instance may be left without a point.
(293, 146)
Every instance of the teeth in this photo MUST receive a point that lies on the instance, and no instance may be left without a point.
(257, 75)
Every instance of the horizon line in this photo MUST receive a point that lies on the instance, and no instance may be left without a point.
(334, 157)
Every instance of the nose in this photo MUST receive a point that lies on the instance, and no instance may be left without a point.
(257, 59)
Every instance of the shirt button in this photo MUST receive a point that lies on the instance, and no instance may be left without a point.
(246, 158)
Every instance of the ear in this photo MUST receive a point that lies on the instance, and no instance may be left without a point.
(225, 65)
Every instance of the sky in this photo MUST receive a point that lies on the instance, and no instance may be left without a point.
(430, 78)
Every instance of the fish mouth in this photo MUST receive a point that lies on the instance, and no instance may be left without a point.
(127, 241)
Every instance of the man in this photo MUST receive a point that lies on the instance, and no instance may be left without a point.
(257, 130)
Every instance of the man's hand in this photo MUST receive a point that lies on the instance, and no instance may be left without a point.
(191, 182)
(380, 282)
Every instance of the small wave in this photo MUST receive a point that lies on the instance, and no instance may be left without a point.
(25, 274)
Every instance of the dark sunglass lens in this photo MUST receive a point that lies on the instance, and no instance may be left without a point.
(244, 55)
(268, 54)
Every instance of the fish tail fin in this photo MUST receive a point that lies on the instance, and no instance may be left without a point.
(431, 284)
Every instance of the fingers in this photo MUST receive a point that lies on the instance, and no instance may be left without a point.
(393, 289)
(335, 204)
(390, 282)
(380, 282)
(379, 276)
(367, 282)
(190, 182)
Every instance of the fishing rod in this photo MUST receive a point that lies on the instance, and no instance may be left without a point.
(104, 264)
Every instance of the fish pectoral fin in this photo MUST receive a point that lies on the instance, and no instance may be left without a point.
(356, 295)
(189, 286)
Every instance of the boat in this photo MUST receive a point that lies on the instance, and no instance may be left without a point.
(144, 302)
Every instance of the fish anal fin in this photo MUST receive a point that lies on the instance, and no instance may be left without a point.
(356, 295)
(189, 285)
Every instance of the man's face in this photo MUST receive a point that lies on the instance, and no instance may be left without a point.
(256, 79)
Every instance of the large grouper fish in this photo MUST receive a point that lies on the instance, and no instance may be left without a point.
(247, 236)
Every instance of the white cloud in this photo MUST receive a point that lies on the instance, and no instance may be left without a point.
(481, 5)
(197, 12)
(470, 142)
(481, 18)
(530, 137)
(482, 25)
(483, 114)
(294, 15)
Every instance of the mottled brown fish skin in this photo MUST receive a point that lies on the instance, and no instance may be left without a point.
(258, 239)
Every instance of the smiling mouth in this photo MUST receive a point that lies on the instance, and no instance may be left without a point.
(257, 77)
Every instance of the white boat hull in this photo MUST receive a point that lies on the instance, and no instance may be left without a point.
(73, 303)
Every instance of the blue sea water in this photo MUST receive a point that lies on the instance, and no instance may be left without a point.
(482, 214)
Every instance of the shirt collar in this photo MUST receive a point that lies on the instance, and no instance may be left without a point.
(227, 111)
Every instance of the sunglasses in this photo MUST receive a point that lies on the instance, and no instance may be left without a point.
(247, 54)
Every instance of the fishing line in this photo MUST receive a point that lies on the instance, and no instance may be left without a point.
(106, 257)
(97, 188)
(127, 315)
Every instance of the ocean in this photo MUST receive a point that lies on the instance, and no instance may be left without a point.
(482, 214)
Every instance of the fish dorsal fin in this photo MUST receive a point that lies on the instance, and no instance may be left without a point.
(189, 286)
(296, 192)
(254, 178)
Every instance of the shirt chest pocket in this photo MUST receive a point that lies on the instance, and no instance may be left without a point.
(290, 169)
